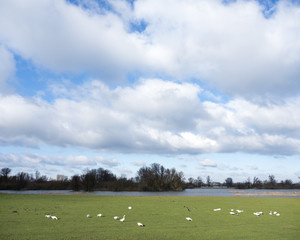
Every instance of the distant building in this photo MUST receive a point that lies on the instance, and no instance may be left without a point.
(60, 177)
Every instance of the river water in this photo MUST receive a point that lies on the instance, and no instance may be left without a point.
(218, 192)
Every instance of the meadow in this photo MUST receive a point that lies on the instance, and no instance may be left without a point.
(23, 217)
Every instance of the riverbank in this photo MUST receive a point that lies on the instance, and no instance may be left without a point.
(264, 193)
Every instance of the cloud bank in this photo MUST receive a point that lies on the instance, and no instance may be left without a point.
(232, 46)
(153, 116)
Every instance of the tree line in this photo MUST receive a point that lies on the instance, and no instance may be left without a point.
(256, 183)
(152, 178)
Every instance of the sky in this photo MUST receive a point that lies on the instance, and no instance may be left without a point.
(208, 87)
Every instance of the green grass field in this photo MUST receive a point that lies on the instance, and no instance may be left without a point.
(164, 217)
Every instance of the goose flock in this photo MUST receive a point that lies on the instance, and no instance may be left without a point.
(237, 212)
(101, 215)
(231, 212)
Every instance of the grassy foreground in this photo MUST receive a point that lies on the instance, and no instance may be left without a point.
(164, 217)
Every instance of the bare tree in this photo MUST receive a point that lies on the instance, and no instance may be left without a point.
(257, 183)
(272, 181)
(5, 172)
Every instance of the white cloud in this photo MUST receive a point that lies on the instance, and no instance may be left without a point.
(79, 160)
(208, 163)
(139, 163)
(107, 162)
(63, 37)
(231, 46)
(152, 116)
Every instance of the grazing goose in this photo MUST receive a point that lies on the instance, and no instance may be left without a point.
(140, 224)
(122, 219)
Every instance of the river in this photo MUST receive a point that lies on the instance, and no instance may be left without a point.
(218, 192)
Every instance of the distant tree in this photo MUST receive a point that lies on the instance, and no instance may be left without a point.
(286, 184)
(5, 172)
(37, 175)
(175, 180)
(257, 183)
(229, 182)
(158, 178)
(191, 182)
(272, 182)
(199, 181)
(208, 181)
(103, 175)
(149, 178)
(22, 180)
(248, 183)
(88, 179)
(75, 183)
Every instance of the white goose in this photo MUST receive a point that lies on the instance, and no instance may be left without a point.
(122, 219)
(140, 224)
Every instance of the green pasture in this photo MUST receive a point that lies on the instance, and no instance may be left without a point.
(164, 217)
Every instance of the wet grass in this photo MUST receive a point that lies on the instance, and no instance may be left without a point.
(23, 217)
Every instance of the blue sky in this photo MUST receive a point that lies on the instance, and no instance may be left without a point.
(208, 87)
